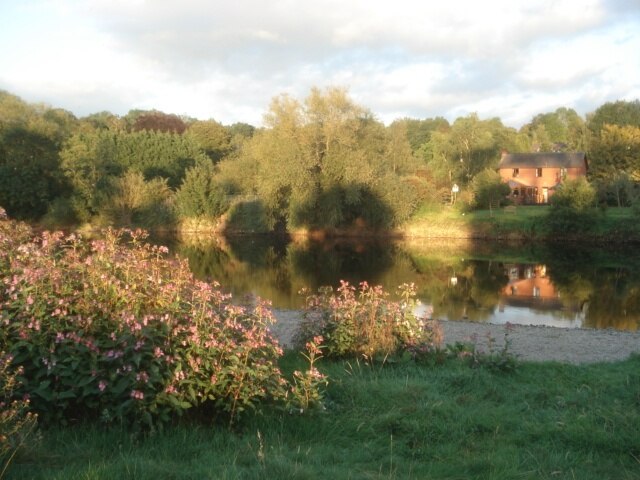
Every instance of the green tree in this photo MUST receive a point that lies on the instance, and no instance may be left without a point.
(200, 195)
(471, 145)
(30, 174)
(92, 159)
(576, 196)
(489, 190)
(419, 132)
(134, 201)
(615, 150)
(572, 208)
(621, 113)
(326, 162)
(561, 130)
(212, 137)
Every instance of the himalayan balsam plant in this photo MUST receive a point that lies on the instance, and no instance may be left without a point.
(306, 391)
(120, 331)
(17, 423)
(365, 322)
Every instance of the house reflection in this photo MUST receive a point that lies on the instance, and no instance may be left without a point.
(529, 286)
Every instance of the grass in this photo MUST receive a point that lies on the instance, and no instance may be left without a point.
(398, 421)
(527, 223)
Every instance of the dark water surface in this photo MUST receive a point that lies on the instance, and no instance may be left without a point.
(553, 285)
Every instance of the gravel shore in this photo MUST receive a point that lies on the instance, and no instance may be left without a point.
(528, 343)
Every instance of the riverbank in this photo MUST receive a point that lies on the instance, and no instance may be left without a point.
(522, 223)
(528, 343)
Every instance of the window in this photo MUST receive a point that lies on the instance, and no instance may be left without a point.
(538, 172)
(516, 172)
(563, 173)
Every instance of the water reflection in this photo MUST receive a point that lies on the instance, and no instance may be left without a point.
(532, 284)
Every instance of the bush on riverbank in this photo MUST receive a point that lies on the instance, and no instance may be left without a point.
(17, 423)
(124, 333)
(363, 322)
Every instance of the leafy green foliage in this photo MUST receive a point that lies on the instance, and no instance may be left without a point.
(200, 195)
(419, 132)
(92, 161)
(17, 423)
(561, 130)
(212, 137)
(306, 390)
(572, 208)
(248, 216)
(30, 174)
(621, 113)
(575, 195)
(134, 201)
(126, 334)
(616, 151)
(470, 145)
(320, 163)
(619, 190)
(489, 190)
(366, 323)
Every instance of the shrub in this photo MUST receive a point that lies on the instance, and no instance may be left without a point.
(306, 389)
(17, 424)
(364, 322)
(572, 208)
(200, 195)
(135, 201)
(575, 195)
(122, 332)
(489, 190)
(248, 216)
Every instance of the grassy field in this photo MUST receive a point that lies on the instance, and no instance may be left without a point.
(523, 223)
(397, 421)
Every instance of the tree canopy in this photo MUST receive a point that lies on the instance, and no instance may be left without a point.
(318, 162)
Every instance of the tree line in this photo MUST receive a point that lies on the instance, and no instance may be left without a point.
(320, 162)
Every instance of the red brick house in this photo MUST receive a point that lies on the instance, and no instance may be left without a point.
(533, 177)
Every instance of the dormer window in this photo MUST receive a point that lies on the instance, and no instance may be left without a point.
(516, 172)
(538, 172)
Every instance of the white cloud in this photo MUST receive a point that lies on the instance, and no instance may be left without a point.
(227, 59)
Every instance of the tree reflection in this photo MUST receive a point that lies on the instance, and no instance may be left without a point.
(599, 287)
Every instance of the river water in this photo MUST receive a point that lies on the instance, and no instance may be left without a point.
(544, 284)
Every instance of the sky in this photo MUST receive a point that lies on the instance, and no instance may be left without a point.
(226, 59)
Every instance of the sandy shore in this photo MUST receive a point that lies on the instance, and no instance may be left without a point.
(527, 342)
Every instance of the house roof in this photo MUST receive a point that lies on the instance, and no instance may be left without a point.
(547, 159)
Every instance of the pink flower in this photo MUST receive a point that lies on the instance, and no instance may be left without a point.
(102, 385)
(137, 394)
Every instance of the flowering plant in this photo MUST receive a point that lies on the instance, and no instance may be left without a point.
(366, 322)
(306, 390)
(16, 422)
(119, 330)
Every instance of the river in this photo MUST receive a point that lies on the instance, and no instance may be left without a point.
(570, 286)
